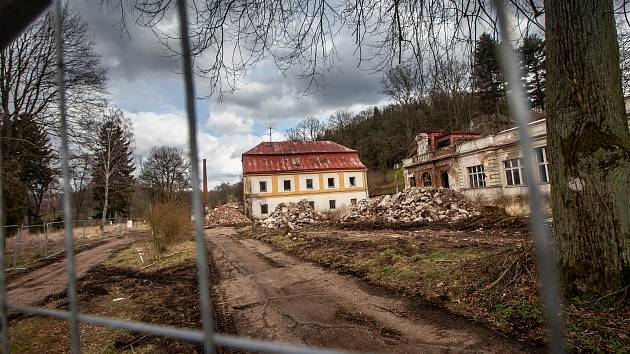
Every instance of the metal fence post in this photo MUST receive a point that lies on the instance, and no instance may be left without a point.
(45, 240)
(16, 247)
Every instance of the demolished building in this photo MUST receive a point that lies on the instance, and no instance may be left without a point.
(486, 169)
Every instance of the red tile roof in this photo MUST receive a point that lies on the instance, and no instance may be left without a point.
(293, 156)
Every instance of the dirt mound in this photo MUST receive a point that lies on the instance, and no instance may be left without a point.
(413, 206)
(292, 216)
(230, 214)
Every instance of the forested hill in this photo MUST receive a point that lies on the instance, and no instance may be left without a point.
(449, 94)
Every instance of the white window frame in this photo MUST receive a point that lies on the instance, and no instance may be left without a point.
(352, 181)
(284, 185)
(260, 184)
(332, 204)
(476, 176)
(514, 172)
(306, 183)
(543, 165)
(328, 182)
(261, 209)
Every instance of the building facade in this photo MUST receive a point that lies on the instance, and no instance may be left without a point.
(485, 169)
(328, 175)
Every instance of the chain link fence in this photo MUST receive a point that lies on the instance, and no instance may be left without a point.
(38, 240)
(26, 245)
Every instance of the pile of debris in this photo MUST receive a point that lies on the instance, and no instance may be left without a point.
(413, 205)
(292, 216)
(230, 214)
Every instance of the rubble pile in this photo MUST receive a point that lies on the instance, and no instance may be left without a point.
(226, 215)
(413, 205)
(292, 215)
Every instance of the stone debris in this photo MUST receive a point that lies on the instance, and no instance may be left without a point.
(226, 215)
(412, 205)
(292, 216)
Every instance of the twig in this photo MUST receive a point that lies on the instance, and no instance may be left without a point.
(613, 293)
(507, 269)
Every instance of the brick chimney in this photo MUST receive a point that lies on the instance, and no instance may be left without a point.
(205, 185)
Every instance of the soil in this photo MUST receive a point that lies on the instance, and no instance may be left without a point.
(32, 288)
(273, 296)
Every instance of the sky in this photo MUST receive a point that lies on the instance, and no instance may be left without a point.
(144, 83)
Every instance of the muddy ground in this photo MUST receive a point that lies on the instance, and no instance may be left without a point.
(273, 296)
(483, 270)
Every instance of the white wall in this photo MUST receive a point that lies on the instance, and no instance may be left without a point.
(255, 185)
(358, 179)
(331, 175)
(303, 178)
(343, 199)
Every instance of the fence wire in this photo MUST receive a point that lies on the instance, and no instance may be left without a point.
(206, 336)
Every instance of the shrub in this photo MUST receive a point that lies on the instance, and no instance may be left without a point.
(170, 223)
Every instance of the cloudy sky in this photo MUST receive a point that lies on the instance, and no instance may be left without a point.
(143, 82)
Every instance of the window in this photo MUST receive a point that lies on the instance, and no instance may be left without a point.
(264, 209)
(287, 184)
(332, 204)
(262, 186)
(331, 182)
(309, 183)
(514, 172)
(353, 181)
(311, 204)
(426, 179)
(412, 181)
(541, 160)
(476, 176)
(353, 201)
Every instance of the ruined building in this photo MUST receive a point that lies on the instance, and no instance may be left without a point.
(328, 175)
(484, 168)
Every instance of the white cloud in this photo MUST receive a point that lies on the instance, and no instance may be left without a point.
(229, 123)
(222, 152)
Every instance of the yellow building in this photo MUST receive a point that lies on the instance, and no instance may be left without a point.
(328, 175)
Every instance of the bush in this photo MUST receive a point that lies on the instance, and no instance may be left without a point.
(170, 223)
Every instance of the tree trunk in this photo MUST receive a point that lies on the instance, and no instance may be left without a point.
(106, 199)
(588, 146)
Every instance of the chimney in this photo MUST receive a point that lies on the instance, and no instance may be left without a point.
(205, 184)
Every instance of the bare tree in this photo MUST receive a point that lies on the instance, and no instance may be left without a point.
(407, 87)
(165, 174)
(112, 161)
(309, 129)
(28, 71)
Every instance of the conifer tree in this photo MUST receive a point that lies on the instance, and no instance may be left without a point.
(534, 63)
(488, 81)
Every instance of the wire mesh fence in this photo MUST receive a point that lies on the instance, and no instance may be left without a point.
(23, 244)
(29, 244)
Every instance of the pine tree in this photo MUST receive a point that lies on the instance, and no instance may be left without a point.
(488, 81)
(27, 167)
(534, 63)
(113, 165)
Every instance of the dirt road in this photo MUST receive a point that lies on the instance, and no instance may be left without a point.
(33, 287)
(273, 296)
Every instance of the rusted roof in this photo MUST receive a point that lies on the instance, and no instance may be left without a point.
(296, 147)
(294, 156)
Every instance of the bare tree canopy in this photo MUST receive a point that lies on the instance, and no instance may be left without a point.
(309, 129)
(300, 37)
(28, 71)
(165, 175)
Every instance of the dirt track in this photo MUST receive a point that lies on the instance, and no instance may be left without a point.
(273, 296)
(35, 286)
